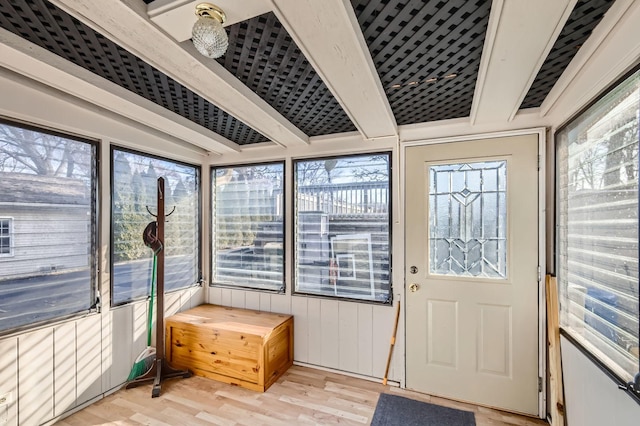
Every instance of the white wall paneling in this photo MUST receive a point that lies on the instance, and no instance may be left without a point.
(300, 329)
(329, 333)
(591, 397)
(64, 368)
(9, 380)
(238, 299)
(35, 377)
(122, 351)
(89, 358)
(365, 339)
(314, 331)
(252, 300)
(348, 328)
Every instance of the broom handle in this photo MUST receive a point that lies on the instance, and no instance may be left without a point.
(392, 344)
(150, 319)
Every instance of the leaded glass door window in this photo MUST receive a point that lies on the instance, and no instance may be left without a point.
(468, 219)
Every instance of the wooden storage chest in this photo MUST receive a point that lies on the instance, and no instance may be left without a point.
(237, 346)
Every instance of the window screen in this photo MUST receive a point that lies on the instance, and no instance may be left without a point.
(597, 169)
(247, 223)
(133, 198)
(342, 216)
(47, 226)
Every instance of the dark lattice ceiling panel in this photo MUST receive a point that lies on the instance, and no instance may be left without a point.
(427, 53)
(584, 18)
(265, 58)
(44, 24)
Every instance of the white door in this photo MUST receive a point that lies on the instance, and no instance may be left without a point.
(472, 271)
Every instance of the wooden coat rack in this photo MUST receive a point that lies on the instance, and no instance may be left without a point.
(160, 370)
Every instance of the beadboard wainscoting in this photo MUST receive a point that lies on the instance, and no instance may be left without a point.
(49, 371)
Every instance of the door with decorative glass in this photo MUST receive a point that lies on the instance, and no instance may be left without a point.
(472, 271)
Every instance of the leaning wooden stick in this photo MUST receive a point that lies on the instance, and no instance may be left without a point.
(392, 344)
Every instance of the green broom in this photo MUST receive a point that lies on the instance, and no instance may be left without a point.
(145, 360)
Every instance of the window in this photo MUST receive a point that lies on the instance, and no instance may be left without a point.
(342, 240)
(247, 224)
(134, 193)
(468, 219)
(5, 236)
(47, 238)
(597, 241)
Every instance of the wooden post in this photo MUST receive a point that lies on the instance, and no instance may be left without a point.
(160, 370)
(555, 361)
(392, 343)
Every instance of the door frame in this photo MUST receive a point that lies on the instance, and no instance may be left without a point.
(541, 132)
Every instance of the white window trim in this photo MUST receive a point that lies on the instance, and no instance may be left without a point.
(11, 237)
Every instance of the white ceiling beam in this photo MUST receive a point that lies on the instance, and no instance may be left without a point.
(519, 37)
(611, 23)
(36, 63)
(126, 23)
(328, 34)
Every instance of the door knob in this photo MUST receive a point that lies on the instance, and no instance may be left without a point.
(414, 287)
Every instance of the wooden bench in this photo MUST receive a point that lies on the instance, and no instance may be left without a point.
(242, 347)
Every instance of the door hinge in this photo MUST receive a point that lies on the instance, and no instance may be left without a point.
(539, 160)
(539, 384)
(539, 273)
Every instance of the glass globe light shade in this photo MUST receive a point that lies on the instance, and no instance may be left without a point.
(209, 37)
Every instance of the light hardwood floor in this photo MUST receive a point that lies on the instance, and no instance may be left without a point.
(302, 396)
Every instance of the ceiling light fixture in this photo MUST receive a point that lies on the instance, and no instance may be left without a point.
(208, 36)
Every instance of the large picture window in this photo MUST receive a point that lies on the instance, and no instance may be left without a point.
(47, 226)
(247, 223)
(342, 216)
(597, 172)
(133, 200)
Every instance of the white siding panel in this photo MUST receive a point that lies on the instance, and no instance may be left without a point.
(237, 299)
(196, 296)
(252, 300)
(89, 373)
(122, 355)
(108, 354)
(383, 319)
(281, 304)
(365, 339)
(35, 377)
(64, 367)
(214, 296)
(139, 327)
(314, 318)
(591, 397)
(226, 299)
(9, 379)
(300, 329)
(265, 302)
(330, 345)
(172, 303)
(348, 336)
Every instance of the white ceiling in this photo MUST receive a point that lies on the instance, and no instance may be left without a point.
(519, 36)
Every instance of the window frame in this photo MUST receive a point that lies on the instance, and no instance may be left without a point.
(212, 283)
(198, 168)
(94, 236)
(631, 389)
(9, 220)
(294, 252)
